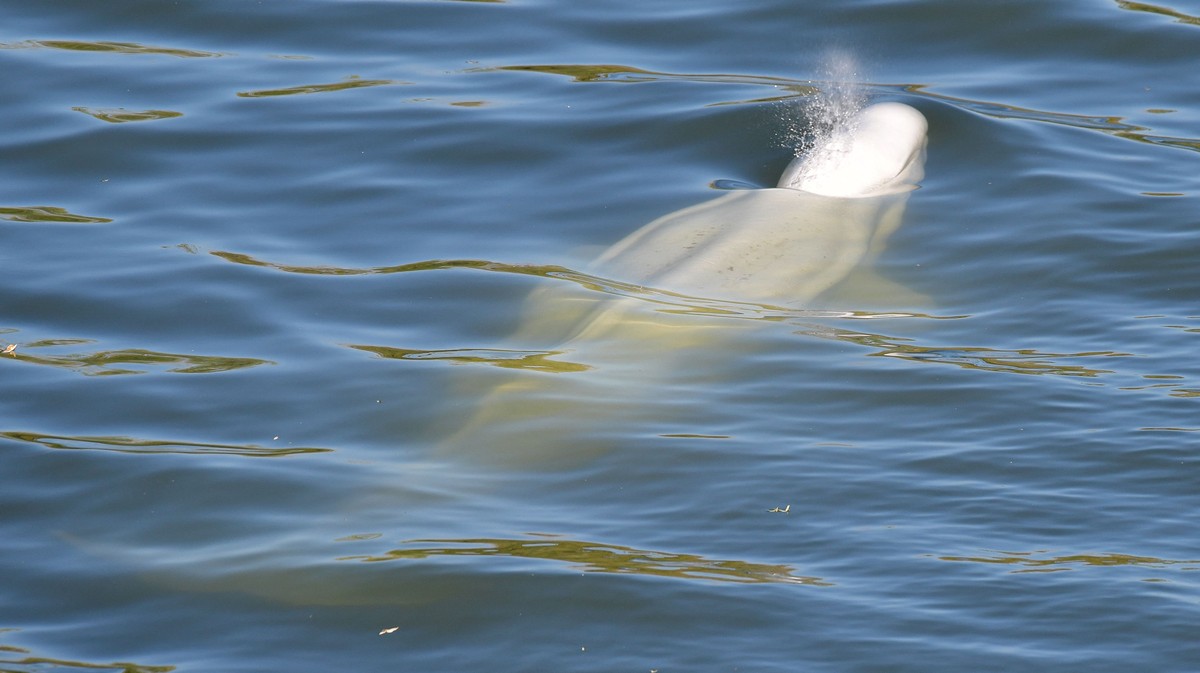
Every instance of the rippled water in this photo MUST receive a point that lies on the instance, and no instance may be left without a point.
(264, 263)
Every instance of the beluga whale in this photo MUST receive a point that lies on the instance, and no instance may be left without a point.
(661, 314)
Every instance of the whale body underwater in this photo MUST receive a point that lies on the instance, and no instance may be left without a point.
(612, 362)
(619, 361)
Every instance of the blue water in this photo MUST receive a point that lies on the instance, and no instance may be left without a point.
(260, 262)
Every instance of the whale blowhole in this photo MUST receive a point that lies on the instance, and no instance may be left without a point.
(827, 118)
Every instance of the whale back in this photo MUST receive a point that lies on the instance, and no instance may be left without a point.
(785, 246)
(879, 151)
(781, 247)
(613, 364)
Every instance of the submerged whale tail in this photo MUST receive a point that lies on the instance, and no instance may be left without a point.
(880, 151)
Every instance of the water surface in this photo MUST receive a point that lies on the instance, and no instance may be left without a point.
(259, 260)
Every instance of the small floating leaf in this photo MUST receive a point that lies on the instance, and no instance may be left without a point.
(46, 214)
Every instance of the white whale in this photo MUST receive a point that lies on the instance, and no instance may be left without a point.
(627, 358)
(786, 245)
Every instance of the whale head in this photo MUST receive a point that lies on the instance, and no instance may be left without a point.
(881, 150)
